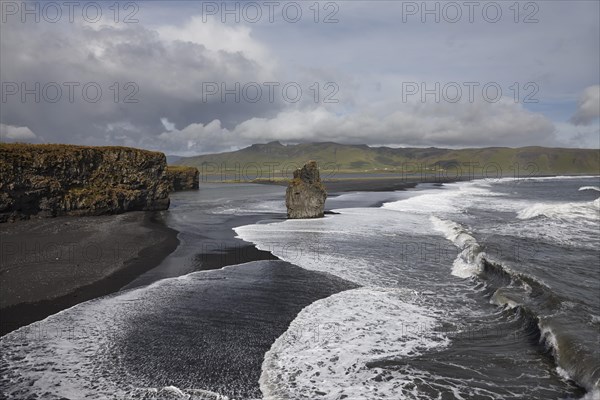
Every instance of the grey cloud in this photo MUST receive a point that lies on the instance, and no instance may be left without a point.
(17, 133)
(165, 77)
(369, 54)
(465, 124)
(588, 108)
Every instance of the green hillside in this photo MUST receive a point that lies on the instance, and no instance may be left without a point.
(277, 161)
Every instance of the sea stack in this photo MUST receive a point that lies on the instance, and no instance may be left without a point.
(305, 195)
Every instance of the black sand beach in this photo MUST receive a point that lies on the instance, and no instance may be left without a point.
(52, 264)
(364, 183)
(216, 327)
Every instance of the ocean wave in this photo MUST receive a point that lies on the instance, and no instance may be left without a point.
(526, 295)
(330, 346)
(567, 211)
(468, 263)
(573, 362)
(84, 351)
(329, 244)
(596, 188)
(541, 178)
(543, 313)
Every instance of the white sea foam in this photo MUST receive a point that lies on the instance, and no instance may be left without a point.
(68, 354)
(266, 207)
(325, 351)
(593, 395)
(329, 244)
(175, 393)
(541, 178)
(50, 345)
(376, 322)
(468, 263)
(454, 199)
(566, 210)
(596, 188)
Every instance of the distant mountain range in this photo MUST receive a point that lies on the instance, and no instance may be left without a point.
(277, 160)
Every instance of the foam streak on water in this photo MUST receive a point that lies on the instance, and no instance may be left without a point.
(469, 261)
(508, 237)
(362, 326)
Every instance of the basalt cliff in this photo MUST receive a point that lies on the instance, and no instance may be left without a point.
(183, 178)
(50, 180)
(305, 195)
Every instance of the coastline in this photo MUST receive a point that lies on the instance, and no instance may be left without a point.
(222, 309)
(345, 184)
(52, 264)
(43, 260)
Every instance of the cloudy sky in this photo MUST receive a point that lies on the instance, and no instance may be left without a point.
(199, 77)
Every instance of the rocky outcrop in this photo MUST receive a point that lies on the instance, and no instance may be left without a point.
(50, 180)
(305, 195)
(183, 178)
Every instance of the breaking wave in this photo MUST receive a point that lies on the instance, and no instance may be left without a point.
(569, 211)
(335, 345)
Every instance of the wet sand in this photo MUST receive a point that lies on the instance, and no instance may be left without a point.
(51, 264)
(48, 265)
(341, 185)
(212, 329)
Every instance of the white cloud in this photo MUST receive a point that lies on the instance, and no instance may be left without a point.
(588, 108)
(16, 133)
(169, 126)
(161, 73)
(195, 137)
(171, 53)
(502, 124)
(583, 136)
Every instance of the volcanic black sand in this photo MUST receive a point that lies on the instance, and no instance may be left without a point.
(212, 329)
(340, 185)
(48, 265)
(51, 264)
(367, 185)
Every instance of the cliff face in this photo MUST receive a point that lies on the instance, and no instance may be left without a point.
(305, 195)
(51, 180)
(183, 178)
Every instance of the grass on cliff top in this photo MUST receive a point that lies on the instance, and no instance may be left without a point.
(27, 148)
(180, 168)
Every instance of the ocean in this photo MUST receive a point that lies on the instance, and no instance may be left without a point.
(488, 289)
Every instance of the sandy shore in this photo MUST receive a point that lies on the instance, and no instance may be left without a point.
(368, 185)
(48, 265)
(362, 184)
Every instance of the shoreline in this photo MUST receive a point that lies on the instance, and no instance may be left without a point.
(129, 257)
(137, 265)
(49, 265)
